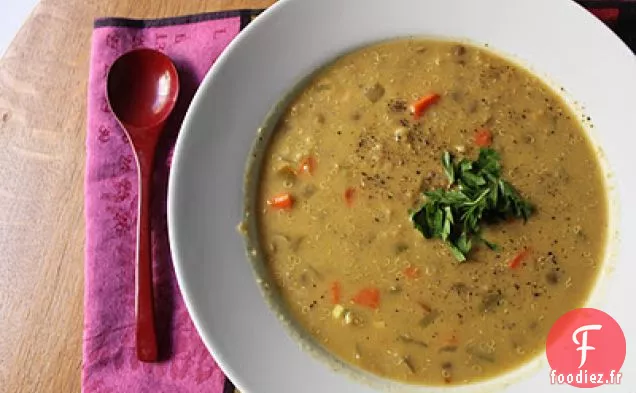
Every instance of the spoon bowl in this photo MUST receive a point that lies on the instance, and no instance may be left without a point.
(143, 86)
(142, 90)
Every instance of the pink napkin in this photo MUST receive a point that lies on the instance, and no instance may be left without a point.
(110, 362)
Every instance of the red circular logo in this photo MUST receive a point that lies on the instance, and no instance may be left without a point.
(586, 349)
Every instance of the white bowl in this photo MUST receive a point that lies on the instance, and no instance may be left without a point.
(556, 38)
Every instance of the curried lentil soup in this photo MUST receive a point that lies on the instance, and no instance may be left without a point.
(348, 164)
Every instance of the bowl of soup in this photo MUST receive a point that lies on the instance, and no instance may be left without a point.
(404, 196)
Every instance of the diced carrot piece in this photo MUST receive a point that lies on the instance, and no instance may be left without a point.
(281, 201)
(349, 195)
(307, 165)
(412, 272)
(516, 261)
(419, 106)
(336, 292)
(368, 297)
(483, 138)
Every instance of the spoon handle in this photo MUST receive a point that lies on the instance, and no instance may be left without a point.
(145, 313)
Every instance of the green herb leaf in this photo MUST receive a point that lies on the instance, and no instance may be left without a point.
(465, 165)
(449, 214)
(457, 253)
(439, 223)
(488, 244)
(464, 244)
(477, 194)
(472, 180)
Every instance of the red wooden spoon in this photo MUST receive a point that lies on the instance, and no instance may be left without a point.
(142, 90)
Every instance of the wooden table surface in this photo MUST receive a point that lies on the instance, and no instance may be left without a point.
(43, 79)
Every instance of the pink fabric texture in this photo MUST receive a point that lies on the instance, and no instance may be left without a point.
(110, 362)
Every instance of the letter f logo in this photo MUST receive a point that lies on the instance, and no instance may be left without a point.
(583, 344)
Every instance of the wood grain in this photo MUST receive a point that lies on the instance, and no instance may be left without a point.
(43, 78)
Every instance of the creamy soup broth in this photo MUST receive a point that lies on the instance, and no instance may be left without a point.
(354, 161)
